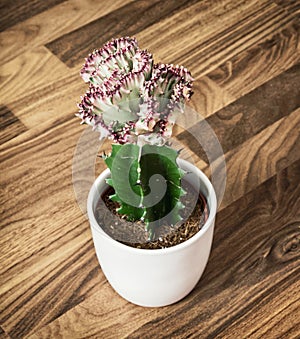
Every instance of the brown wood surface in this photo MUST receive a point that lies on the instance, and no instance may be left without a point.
(245, 58)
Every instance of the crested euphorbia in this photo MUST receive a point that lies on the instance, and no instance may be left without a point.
(135, 103)
(129, 96)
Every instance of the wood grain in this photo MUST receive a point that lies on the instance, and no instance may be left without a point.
(46, 104)
(3, 335)
(35, 262)
(253, 29)
(10, 125)
(49, 25)
(253, 271)
(247, 116)
(260, 270)
(255, 161)
(127, 20)
(13, 12)
(290, 5)
(27, 73)
(277, 53)
(216, 36)
(244, 56)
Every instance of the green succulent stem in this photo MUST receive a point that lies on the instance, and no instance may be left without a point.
(147, 184)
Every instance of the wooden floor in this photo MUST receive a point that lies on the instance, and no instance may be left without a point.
(244, 55)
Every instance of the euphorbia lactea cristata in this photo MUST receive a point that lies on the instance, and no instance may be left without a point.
(135, 102)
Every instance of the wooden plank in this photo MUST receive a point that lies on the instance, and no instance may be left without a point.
(204, 22)
(3, 335)
(30, 134)
(208, 97)
(229, 78)
(217, 30)
(22, 149)
(10, 125)
(247, 116)
(73, 47)
(290, 5)
(51, 283)
(261, 62)
(25, 74)
(252, 29)
(78, 273)
(13, 12)
(260, 157)
(48, 264)
(79, 282)
(118, 318)
(283, 323)
(21, 159)
(243, 74)
(259, 272)
(54, 100)
(51, 24)
(268, 218)
(256, 272)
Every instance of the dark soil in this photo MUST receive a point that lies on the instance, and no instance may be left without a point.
(134, 234)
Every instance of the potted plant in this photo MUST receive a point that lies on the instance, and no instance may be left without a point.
(151, 213)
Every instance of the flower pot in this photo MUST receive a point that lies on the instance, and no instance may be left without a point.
(154, 277)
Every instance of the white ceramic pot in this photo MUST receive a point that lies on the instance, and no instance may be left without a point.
(154, 277)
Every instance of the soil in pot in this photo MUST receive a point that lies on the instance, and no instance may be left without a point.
(133, 234)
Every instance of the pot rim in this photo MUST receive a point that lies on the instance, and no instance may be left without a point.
(209, 222)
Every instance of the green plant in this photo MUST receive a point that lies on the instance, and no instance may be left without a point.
(135, 103)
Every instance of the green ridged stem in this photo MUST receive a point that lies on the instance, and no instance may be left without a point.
(147, 184)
